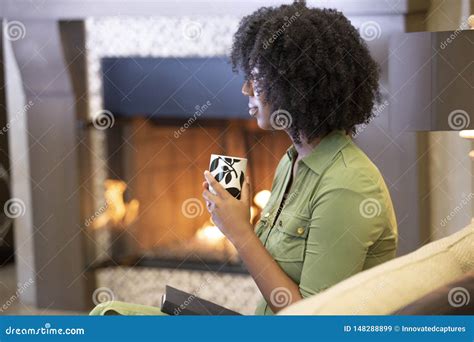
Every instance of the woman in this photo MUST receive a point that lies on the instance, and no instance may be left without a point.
(330, 214)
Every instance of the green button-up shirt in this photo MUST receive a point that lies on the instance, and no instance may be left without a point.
(337, 218)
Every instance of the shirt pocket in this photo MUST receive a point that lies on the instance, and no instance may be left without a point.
(289, 237)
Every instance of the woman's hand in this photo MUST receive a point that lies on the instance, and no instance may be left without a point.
(231, 215)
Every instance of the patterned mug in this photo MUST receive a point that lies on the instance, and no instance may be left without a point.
(229, 172)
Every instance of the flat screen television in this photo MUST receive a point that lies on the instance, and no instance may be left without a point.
(173, 87)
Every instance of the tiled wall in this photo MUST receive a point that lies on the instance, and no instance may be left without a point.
(152, 37)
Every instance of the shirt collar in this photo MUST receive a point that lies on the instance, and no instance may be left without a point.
(324, 152)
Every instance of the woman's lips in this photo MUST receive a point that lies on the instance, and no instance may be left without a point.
(253, 111)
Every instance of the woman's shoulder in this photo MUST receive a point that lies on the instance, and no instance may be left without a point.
(353, 170)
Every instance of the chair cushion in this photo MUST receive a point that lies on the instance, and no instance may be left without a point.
(392, 285)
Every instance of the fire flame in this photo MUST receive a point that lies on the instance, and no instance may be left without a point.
(211, 234)
(118, 213)
(261, 198)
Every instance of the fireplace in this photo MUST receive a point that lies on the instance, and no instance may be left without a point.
(157, 152)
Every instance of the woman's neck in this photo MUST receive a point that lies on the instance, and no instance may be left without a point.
(304, 148)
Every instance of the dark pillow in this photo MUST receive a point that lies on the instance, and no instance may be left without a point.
(456, 298)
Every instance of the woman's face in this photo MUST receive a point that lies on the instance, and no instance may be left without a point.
(257, 108)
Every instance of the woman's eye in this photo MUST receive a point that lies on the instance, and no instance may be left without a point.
(256, 87)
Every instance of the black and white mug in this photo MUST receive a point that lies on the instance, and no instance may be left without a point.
(229, 172)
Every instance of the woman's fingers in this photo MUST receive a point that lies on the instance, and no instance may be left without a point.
(246, 193)
(205, 186)
(209, 206)
(219, 189)
(210, 197)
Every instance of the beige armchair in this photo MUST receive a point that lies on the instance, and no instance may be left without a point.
(386, 288)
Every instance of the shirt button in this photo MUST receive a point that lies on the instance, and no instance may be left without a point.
(300, 231)
(266, 215)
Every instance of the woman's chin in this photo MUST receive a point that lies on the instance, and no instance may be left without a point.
(264, 125)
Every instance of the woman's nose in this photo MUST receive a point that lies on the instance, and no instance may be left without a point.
(247, 88)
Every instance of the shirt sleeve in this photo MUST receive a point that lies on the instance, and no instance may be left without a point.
(343, 226)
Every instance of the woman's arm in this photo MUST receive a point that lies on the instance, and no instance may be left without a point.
(277, 288)
(232, 216)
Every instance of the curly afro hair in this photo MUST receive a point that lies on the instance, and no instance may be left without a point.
(311, 63)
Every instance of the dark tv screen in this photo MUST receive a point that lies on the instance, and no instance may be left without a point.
(173, 87)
